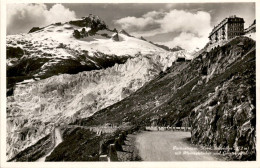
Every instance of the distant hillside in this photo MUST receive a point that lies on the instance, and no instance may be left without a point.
(177, 48)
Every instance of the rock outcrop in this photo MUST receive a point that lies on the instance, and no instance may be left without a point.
(226, 119)
(115, 37)
(92, 21)
(34, 29)
(125, 33)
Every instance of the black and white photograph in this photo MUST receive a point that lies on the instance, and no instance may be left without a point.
(131, 82)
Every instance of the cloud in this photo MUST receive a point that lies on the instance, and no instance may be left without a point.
(22, 17)
(137, 24)
(187, 41)
(145, 24)
(182, 21)
(58, 13)
(191, 29)
(154, 15)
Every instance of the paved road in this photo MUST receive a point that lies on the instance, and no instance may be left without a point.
(57, 141)
(58, 136)
(170, 146)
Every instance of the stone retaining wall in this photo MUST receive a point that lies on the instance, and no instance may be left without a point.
(109, 148)
(99, 130)
(152, 128)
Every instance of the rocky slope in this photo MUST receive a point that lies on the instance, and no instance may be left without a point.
(62, 72)
(214, 94)
(227, 118)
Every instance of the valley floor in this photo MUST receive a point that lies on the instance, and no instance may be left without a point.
(171, 146)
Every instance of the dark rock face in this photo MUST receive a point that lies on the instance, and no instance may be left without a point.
(34, 29)
(14, 52)
(226, 119)
(125, 33)
(34, 152)
(76, 34)
(81, 34)
(142, 38)
(90, 21)
(180, 60)
(115, 37)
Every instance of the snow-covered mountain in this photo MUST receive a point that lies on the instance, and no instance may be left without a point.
(66, 71)
(56, 49)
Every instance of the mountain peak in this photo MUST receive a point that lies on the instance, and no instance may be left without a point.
(92, 21)
(125, 33)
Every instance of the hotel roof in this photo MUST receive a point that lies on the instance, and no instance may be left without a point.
(225, 21)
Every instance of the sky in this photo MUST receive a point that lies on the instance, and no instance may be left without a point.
(176, 24)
